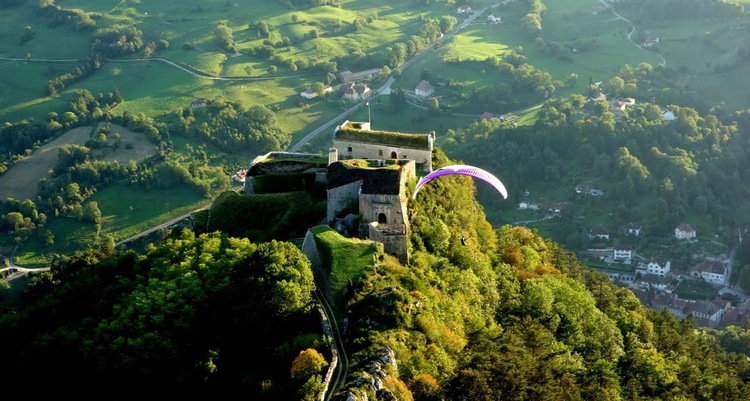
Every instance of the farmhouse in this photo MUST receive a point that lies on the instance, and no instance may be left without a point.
(424, 89)
(198, 103)
(347, 76)
(494, 20)
(309, 93)
(355, 92)
(649, 42)
(464, 9)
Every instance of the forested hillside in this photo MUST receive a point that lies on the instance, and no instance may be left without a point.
(509, 316)
(652, 169)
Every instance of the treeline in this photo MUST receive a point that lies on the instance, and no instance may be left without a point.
(393, 56)
(75, 18)
(19, 140)
(232, 127)
(108, 43)
(670, 10)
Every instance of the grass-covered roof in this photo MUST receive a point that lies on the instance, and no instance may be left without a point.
(415, 141)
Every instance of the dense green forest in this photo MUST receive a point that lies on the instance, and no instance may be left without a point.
(510, 316)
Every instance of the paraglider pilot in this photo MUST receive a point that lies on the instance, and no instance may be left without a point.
(463, 240)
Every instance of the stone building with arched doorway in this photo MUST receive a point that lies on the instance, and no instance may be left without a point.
(355, 140)
(376, 193)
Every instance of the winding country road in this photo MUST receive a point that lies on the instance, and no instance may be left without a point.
(607, 5)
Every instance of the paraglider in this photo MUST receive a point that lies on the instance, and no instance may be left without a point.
(462, 169)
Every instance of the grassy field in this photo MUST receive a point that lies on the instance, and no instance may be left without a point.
(349, 258)
(20, 181)
(156, 88)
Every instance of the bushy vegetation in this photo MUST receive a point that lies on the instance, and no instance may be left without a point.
(263, 217)
(189, 316)
(508, 315)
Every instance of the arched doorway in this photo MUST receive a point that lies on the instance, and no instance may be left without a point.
(382, 219)
(394, 155)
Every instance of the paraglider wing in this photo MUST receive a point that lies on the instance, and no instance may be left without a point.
(462, 169)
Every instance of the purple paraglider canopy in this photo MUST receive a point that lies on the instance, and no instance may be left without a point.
(463, 169)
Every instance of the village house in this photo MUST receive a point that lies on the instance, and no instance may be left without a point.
(622, 252)
(633, 229)
(528, 206)
(198, 103)
(555, 208)
(424, 89)
(464, 9)
(586, 189)
(622, 104)
(495, 20)
(656, 282)
(355, 92)
(591, 102)
(658, 266)
(599, 232)
(706, 313)
(684, 231)
(712, 271)
(668, 116)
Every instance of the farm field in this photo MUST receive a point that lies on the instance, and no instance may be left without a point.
(19, 182)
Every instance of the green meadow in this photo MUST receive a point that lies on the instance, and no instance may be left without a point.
(346, 258)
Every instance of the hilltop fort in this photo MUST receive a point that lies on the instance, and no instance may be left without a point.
(364, 178)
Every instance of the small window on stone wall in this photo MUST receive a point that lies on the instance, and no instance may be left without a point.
(380, 152)
(349, 149)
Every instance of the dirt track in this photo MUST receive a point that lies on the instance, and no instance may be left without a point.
(20, 182)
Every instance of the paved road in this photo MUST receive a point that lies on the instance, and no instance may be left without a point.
(159, 227)
(18, 271)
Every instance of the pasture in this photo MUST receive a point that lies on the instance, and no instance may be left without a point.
(20, 181)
